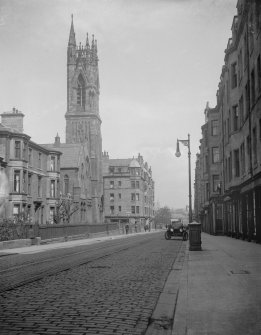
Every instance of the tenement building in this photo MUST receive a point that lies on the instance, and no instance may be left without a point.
(128, 190)
(32, 170)
(233, 205)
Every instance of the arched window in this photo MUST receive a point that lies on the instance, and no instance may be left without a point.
(66, 184)
(81, 91)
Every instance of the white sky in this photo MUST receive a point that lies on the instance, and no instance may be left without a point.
(160, 62)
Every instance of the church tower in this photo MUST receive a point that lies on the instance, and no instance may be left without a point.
(82, 89)
(83, 122)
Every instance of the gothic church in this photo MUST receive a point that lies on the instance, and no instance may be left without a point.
(81, 160)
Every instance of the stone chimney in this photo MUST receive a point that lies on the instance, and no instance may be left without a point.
(13, 120)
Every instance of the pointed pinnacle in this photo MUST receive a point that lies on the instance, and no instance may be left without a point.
(72, 40)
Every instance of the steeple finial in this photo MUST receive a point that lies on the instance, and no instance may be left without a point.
(87, 41)
(92, 41)
(72, 40)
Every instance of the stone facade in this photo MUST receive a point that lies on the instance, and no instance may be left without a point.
(32, 170)
(239, 116)
(128, 190)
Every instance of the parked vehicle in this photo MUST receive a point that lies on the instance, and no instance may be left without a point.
(176, 228)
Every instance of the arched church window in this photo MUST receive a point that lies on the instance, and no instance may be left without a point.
(66, 184)
(81, 95)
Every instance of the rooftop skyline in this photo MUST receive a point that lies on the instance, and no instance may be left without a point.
(159, 63)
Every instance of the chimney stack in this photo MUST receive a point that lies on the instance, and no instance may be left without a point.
(13, 120)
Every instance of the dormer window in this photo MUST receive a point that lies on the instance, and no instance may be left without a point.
(81, 91)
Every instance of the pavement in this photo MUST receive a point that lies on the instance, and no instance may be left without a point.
(210, 292)
(31, 249)
(220, 289)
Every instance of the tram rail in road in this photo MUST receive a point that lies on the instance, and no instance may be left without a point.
(18, 275)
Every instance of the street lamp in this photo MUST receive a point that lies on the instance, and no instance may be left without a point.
(178, 154)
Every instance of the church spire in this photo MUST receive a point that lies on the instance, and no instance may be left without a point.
(72, 40)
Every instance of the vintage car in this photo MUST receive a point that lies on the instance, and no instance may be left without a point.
(176, 228)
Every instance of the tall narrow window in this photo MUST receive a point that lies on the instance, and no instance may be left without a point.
(52, 191)
(215, 155)
(39, 186)
(24, 181)
(66, 184)
(39, 160)
(24, 150)
(215, 182)
(241, 110)
(236, 163)
(229, 122)
(207, 190)
(254, 146)
(81, 93)
(214, 127)
(235, 118)
(234, 75)
(259, 73)
(52, 165)
(30, 153)
(17, 149)
(230, 167)
(246, 100)
(240, 65)
(111, 197)
(253, 87)
(16, 210)
(51, 218)
(29, 184)
(242, 158)
(17, 181)
(260, 129)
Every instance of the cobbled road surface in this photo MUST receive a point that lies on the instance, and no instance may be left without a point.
(108, 288)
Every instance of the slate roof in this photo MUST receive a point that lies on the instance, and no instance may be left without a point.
(120, 162)
(70, 154)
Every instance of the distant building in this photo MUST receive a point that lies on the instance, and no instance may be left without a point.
(32, 170)
(128, 190)
(238, 111)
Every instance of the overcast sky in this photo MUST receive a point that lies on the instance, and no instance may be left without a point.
(160, 62)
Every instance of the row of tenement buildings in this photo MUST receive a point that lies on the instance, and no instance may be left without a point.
(228, 167)
(41, 175)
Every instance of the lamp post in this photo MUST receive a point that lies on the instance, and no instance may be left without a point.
(178, 154)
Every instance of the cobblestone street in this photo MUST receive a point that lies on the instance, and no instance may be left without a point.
(115, 294)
